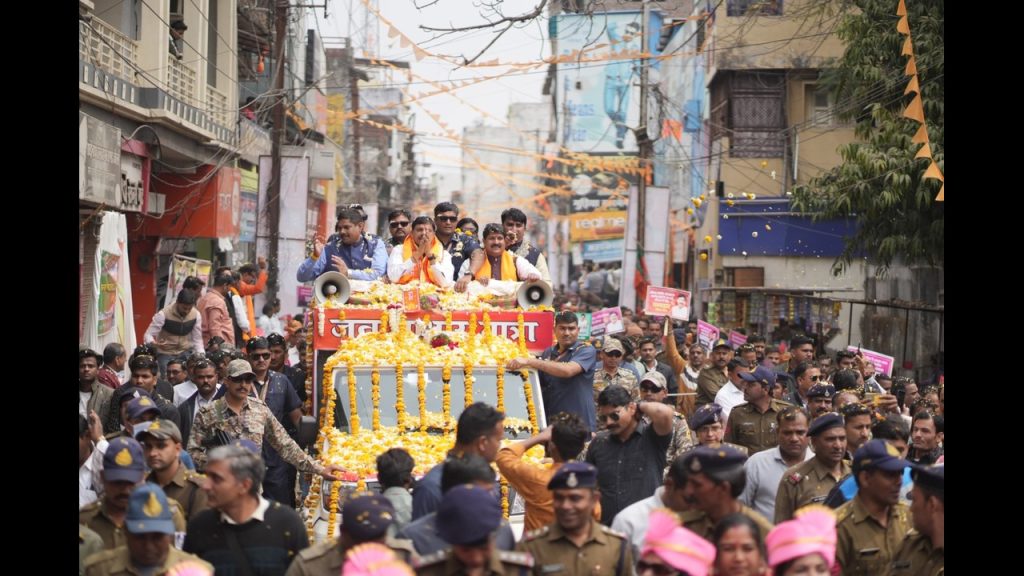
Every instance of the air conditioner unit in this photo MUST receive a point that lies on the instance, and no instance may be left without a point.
(157, 204)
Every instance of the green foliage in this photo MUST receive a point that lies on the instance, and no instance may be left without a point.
(879, 183)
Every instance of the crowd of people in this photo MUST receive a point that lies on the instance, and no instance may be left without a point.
(664, 457)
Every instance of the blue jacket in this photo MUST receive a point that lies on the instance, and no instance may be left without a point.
(366, 260)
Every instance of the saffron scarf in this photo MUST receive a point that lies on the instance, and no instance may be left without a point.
(422, 271)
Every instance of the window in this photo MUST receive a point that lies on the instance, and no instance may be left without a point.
(754, 7)
(819, 108)
(756, 114)
(177, 9)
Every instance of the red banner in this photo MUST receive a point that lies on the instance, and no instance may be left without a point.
(539, 326)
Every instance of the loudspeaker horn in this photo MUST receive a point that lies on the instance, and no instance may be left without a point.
(535, 294)
(332, 285)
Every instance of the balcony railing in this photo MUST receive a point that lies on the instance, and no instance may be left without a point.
(217, 107)
(105, 47)
(181, 81)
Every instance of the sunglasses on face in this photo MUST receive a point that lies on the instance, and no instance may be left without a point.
(650, 387)
(242, 379)
(262, 356)
(447, 218)
(398, 224)
(815, 378)
(614, 354)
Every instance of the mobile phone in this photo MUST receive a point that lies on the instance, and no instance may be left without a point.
(872, 398)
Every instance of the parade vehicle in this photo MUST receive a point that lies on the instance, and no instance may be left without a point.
(447, 350)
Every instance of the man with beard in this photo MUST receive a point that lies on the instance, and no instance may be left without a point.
(204, 377)
(514, 222)
(461, 247)
(348, 250)
(161, 444)
(819, 399)
(295, 374)
(653, 388)
(810, 482)
(498, 263)
(576, 544)
(713, 377)
(398, 225)
(926, 435)
(765, 469)
(870, 527)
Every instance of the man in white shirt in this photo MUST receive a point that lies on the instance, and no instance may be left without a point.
(269, 323)
(499, 263)
(765, 469)
(421, 257)
(87, 491)
(731, 395)
(632, 520)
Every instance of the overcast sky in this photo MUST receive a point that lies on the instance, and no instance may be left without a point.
(522, 43)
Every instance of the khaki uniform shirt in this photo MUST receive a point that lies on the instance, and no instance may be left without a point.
(917, 557)
(255, 422)
(605, 552)
(95, 517)
(117, 562)
(804, 484)
(864, 546)
(709, 382)
(327, 558)
(702, 524)
(187, 488)
(502, 563)
(755, 430)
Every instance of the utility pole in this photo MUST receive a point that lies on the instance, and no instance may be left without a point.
(644, 145)
(277, 139)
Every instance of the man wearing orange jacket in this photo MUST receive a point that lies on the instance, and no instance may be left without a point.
(254, 280)
(421, 257)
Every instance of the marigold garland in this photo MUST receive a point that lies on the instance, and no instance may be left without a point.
(500, 377)
(375, 395)
(447, 320)
(488, 335)
(384, 321)
(353, 407)
(504, 498)
(399, 396)
(467, 372)
(446, 395)
(421, 395)
(472, 330)
(307, 406)
(361, 484)
(531, 408)
(332, 518)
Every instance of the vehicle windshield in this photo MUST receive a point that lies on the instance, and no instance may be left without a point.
(485, 389)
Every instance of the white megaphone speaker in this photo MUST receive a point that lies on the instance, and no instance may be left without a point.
(535, 294)
(332, 285)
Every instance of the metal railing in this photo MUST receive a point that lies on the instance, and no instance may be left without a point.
(217, 105)
(181, 81)
(107, 48)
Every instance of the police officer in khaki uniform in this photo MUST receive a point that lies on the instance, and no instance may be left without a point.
(922, 552)
(89, 543)
(141, 408)
(871, 526)
(123, 470)
(712, 378)
(576, 544)
(365, 517)
(708, 428)
(161, 443)
(150, 533)
(467, 518)
(819, 399)
(754, 425)
(715, 482)
(810, 482)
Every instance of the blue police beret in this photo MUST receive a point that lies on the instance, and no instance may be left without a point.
(468, 513)
(878, 454)
(824, 422)
(721, 343)
(138, 407)
(930, 477)
(574, 475)
(706, 414)
(123, 461)
(821, 391)
(708, 459)
(148, 511)
(367, 516)
(762, 375)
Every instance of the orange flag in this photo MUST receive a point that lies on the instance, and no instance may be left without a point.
(903, 26)
(933, 172)
(914, 110)
(921, 137)
(908, 47)
(913, 85)
(911, 66)
(901, 9)
(924, 152)
(942, 194)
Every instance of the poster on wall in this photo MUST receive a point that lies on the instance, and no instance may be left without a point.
(109, 316)
(182, 267)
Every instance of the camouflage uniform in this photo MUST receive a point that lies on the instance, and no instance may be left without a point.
(256, 423)
(623, 378)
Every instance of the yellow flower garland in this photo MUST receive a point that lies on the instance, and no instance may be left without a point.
(446, 395)
(384, 321)
(361, 485)
(447, 320)
(472, 330)
(421, 395)
(467, 372)
(504, 498)
(521, 322)
(488, 335)
(375, 395)
(399, 397)
(307, 406)
(353, 408)
(530, 407)
(332, 518)
(501, 386)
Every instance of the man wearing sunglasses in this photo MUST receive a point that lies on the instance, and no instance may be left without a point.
(462, 247)
(754, 425)
(274, 390)
(399, 222)
(629, 454)
(611, 371)
(807, 375)
(654, 388)
(241, 416)
(349, 251)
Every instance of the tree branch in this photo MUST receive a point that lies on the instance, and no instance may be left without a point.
(537, 11)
